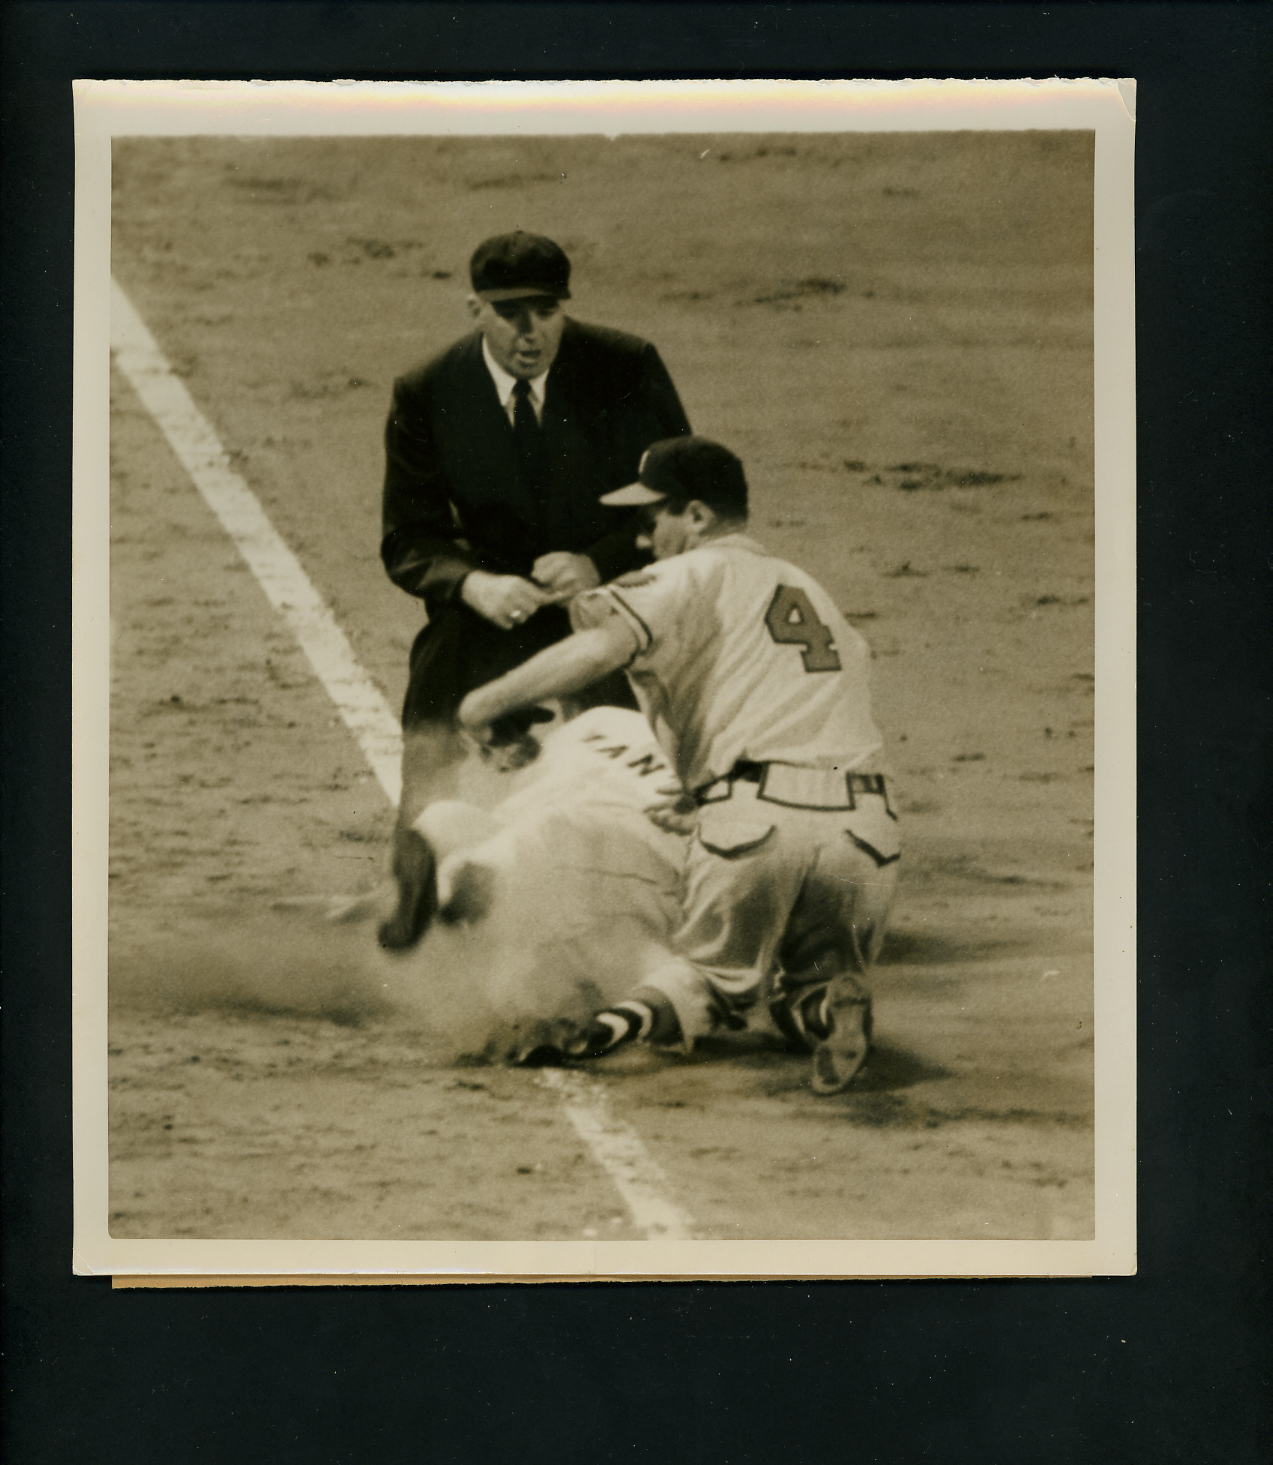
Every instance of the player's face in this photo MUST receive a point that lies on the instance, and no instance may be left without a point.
(664, 533)
(523, 335)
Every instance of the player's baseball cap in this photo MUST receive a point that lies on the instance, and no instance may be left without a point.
(686, 468)
(519, 266)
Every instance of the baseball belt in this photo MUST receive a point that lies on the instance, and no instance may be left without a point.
(795, 786)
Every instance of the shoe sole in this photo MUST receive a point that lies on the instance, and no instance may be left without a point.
(841, 1055)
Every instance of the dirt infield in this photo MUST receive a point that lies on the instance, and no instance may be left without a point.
(894, 331)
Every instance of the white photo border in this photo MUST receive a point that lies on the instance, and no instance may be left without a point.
(105, 110)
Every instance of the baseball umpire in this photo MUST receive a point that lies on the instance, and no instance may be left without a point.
(757, 689)
(498, 452)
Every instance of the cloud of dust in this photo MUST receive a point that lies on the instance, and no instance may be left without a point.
(532, 959)
(270, 962)
(566, 929)
(473, 988)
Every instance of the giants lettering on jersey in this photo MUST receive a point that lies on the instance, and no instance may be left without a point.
(644, 765)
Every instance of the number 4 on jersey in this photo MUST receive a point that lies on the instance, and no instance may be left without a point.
(792, 621)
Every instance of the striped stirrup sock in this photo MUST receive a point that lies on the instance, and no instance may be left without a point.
(611, 1028)
(814, 1018)
(803, 1019)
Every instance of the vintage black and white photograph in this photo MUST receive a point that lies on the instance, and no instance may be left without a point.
(600, 590)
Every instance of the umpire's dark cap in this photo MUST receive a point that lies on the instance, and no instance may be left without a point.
(684, 468)
(519, 266)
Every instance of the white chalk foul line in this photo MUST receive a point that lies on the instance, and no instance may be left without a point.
(614, 1145)
(636, 1176)
(279, 572)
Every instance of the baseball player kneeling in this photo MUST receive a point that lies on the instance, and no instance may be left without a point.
(757, 691)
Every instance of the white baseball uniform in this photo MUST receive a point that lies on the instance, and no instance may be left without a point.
(581, 890)
(757, 690)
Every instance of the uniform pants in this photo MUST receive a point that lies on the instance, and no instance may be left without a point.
(778, 901)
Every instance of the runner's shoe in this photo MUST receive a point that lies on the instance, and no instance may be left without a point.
(415, 870)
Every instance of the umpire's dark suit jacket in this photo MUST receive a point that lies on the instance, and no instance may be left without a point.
(455, 500)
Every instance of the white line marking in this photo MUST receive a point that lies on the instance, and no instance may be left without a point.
(640, 1181)
(615, 1146)
(290, 591)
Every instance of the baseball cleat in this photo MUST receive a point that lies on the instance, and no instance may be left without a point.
(415, 870)
(528, 1043)
(543, 1055)
(841, 1049)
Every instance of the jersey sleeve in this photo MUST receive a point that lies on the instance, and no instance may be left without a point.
(647, 600)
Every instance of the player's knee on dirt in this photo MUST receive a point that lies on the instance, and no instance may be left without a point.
(685, 992)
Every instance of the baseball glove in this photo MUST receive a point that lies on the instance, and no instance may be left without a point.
(511, 744)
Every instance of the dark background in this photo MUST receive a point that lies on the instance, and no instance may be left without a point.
(1169, 1366)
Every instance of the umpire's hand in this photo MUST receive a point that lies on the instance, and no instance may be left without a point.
(505, 600)
(565, 574)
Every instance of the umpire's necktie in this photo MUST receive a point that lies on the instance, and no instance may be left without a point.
(529, 437)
